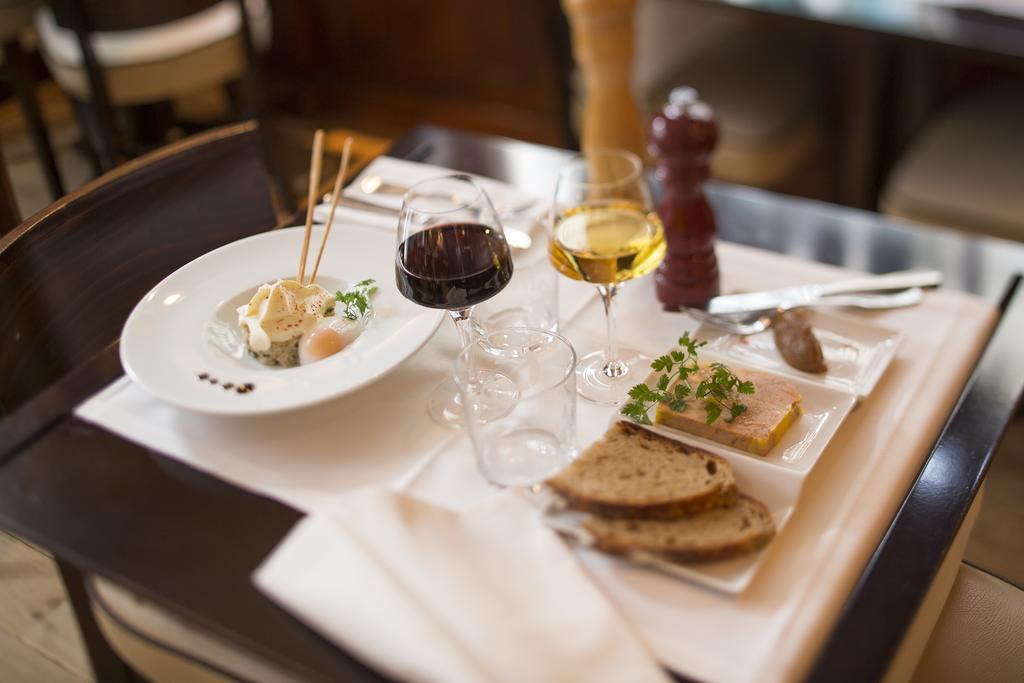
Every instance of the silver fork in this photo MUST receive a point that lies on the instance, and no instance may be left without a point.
(374, 184)
(744, 324)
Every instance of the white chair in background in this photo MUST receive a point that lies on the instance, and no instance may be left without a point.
(965, 168)
(157, 62)
(144, 63)
(979, 635)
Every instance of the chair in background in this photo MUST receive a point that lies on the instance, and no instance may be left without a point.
(125, 54)
(979, 635)
(15, 17)
(122, 231)
(965, 169)
(765, 88)
(764, 85)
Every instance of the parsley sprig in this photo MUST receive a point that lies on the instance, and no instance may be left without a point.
(717, 390)
(355, 301)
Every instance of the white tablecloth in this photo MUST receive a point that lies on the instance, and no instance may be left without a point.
(772, 631)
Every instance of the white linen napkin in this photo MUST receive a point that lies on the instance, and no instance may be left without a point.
(425, 593)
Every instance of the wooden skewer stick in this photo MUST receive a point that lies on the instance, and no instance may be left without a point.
(315, 164)
(335, 196)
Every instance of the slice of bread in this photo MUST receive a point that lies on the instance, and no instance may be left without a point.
(771, 409)
(632, 472)
(717, 534)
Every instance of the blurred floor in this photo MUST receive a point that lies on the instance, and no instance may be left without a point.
(39, 640)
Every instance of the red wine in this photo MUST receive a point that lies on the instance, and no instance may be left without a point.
(453, 266)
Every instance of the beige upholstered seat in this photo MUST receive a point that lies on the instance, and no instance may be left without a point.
(162, 647)
(159, 62)
(980, 634)
(965, 169)
(764, 87)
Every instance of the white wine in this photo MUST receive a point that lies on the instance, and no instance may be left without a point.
(607, 243)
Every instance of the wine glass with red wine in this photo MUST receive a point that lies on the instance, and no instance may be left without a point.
(452, 255)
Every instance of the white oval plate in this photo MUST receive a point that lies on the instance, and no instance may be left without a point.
(167, 344)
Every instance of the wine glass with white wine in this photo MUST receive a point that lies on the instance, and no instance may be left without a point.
(605, 231)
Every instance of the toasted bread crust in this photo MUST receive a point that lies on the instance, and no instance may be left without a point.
(719, 497)
(620, 542)
(650, 502)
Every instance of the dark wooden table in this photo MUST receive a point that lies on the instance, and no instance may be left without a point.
(189, 542)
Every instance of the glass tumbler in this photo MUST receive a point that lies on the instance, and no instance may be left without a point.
(518, 390)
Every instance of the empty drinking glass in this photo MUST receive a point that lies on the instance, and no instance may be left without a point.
(518, 390)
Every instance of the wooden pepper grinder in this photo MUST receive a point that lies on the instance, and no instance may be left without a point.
(682, 137)
(602, 46)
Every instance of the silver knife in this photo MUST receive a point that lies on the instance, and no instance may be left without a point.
(802, 294)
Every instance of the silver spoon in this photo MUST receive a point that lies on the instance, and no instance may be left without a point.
(759, 321)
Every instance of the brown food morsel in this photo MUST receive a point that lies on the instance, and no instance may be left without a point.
(796, 342)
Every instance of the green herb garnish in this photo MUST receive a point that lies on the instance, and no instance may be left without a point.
(673, 387)
(355, 301)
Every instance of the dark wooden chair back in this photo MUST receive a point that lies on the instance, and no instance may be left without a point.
(71, 274)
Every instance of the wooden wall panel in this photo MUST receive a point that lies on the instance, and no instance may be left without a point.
(492, 66)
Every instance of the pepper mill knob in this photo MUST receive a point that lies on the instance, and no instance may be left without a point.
(681, 139)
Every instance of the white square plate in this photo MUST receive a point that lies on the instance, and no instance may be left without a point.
(824, 409)
(776, 488)
(774, 479)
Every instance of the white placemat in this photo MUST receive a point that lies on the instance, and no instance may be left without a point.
(768, 633)
(529, 214)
